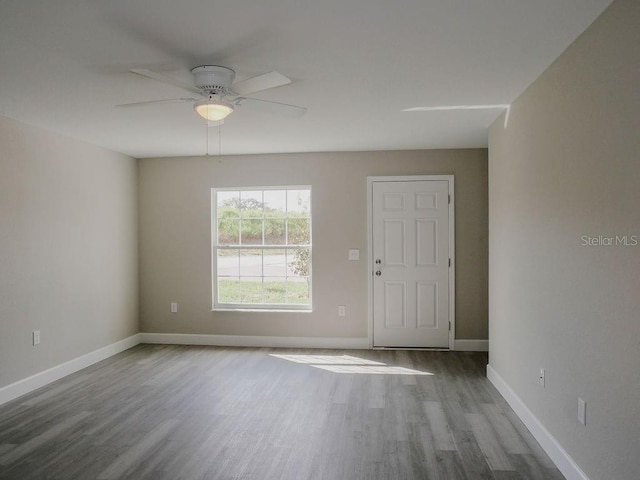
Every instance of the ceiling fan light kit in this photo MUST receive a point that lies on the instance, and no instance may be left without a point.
(213, 108)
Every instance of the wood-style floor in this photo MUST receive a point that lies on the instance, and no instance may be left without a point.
(177, 412)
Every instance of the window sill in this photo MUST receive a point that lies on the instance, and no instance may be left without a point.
(261, 310)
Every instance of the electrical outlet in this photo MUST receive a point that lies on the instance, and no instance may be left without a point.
(174, 307)
(354, 254)
(541, 379)
(582, 411)
(36, 337)
(342, 310)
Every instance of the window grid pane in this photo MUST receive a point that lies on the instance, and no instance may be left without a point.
(277, 273)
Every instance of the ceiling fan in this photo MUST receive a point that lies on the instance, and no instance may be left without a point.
(217, 95)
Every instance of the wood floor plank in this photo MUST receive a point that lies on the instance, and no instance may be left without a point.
(425, 454)
(506, 433)
(43, 438)
(488, 443)
(137, 453)
(474, 463)
(206, 413)
(52, 392)
(6, 447)
(450, 465)
(443, 439)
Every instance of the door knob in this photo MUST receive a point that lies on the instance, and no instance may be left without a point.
(378, 261)
(378, 273)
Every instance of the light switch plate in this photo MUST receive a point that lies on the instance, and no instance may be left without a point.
(354, 254)
(582, 411)
(174, 307)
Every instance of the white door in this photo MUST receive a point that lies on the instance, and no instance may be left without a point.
(410, 245)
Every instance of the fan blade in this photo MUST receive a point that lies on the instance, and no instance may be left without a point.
(259, 83)
(159, 77)
(270, 107)
(155, 102)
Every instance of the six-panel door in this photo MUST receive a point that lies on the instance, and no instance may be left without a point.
(411, 263)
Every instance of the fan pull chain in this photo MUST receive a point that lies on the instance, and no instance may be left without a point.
(206, 126)
(208, 150)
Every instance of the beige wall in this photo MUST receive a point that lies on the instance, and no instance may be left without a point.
(565, 166)
(175, 238)
(68, 249)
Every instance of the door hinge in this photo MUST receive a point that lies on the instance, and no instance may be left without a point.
(449, 198)
(449, 263)
(449, 325)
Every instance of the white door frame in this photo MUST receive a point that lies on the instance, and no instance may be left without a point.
(370, 269)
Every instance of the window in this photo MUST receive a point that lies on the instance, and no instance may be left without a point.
(261, 248)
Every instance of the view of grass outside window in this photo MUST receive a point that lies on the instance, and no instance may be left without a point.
(262, 248)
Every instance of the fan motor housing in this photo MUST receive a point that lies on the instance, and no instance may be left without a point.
(213, 78)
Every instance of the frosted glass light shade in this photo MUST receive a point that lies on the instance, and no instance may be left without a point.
(213, 110)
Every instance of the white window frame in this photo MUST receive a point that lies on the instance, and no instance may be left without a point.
(217, 306)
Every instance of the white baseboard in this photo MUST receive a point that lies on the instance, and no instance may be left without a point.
(29, 384)
(463, 345)
(550, 445)
(355, 343)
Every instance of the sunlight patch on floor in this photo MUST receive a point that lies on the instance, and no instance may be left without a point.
(327, 359)
(349, 364)
(371, 369)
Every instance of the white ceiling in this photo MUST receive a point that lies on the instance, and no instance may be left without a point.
(355, 64)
